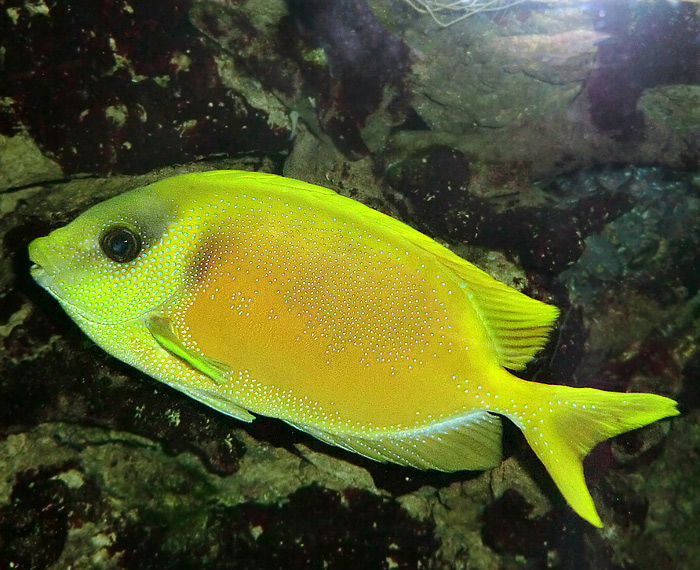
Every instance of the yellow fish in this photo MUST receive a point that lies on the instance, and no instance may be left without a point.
(256, 293)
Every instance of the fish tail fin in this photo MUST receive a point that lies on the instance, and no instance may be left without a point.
(565, 423)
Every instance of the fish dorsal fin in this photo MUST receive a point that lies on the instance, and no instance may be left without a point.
(517, 324)
(471, 441)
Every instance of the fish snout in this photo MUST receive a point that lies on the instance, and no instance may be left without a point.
(43, 267)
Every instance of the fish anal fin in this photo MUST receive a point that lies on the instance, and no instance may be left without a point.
(471, 441)
(165, 335)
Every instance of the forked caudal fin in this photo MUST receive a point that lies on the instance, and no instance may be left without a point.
(562, 424)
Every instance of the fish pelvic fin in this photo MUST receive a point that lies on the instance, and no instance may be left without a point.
(566, 423)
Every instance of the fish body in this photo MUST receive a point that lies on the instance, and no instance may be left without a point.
(258, 294)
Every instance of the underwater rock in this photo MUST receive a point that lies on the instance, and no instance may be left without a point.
(649, 45)
(552, 90)
(546, 238)
(363, 61)
(141, 87)
(22, 163)
(122, 87)
(331, 62)
(35, 524)
(436, 184)
(508, 527)
(100, 467)
(255, 536)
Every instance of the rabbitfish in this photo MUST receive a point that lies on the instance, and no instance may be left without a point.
(258, 294)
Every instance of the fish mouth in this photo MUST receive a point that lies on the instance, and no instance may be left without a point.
(38, 255)
(40, 275)
(46, 280)
(43, 270)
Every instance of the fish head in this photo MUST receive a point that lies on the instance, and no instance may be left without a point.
(112, 264)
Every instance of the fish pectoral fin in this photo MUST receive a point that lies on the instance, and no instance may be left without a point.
(165, 335)
(219, 403)
(471, 441)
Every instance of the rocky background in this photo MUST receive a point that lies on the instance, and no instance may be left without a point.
(556, 146)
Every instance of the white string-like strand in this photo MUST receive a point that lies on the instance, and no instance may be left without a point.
(460, 9)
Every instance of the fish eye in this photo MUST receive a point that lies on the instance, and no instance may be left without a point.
(120, 244)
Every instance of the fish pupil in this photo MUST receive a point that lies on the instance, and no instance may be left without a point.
(120, 244)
